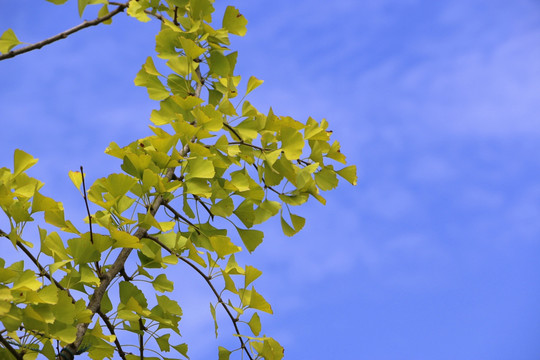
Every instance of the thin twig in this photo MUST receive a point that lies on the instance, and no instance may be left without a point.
(271, 188)
(64, 34)
(87, 208)
(118, 264)
(111, 330)
(98, 268)
(233, 131)
(42, 270)
(246, 144)
(212, 287)
(147, 12)
(175, 20)
(179, 216)
(141, 342)
(18, 356)
(198, 199)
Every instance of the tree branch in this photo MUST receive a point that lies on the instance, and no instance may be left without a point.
(148, 12)
(42, 270)
(118, 264)
(250, 145)
(98, 268)
(64, 34)
(10, 348)
(179, 216)
(198, 199)
(233, 131)
(141, 339)
(116, 267)
(212, 287)
(111, 330)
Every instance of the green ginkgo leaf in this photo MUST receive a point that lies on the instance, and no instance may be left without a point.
(349, 174)
(162, 284)
(22, 162)
(234, 22)
(255, 324)
(251, 238)
(8, 41)
(253, 83)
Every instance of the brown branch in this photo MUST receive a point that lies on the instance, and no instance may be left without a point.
(175, 20)
(200, 83)
(98, 268)
(118, 265)
(148, 12)
(141, 339)
(86, 204)
(198, 199)
(111, 330)
(17, 355)
(271, 188)
(246, 144)
(179, 216)
(64, 34)
(303, 162)
(212, 287)
(233, 131)
(44, 272)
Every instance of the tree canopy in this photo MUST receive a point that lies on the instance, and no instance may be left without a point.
(192, 195)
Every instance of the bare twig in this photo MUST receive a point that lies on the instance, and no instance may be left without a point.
(98, 268)
(64, 34)
(87, 208)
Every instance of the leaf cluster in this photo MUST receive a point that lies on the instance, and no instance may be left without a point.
(192, 194)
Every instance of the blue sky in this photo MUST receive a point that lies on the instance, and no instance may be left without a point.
(434, 255)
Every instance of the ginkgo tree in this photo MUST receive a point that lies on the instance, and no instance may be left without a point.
(190, 195)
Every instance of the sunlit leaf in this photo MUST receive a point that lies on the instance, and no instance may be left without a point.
(162, 284)
(255, 324)
(22, 162)
(8, 40)
(253, 83)
(251, 238)
(234, 22)
(223, 354)
(349, 174)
